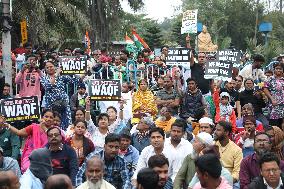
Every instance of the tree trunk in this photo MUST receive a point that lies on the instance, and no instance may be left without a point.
(256, 22)
(281, 6)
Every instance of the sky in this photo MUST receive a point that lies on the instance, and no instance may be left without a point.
(157, 9)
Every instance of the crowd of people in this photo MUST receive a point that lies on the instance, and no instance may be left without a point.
(171, 129)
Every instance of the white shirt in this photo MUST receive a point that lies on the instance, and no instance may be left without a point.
(255, 74)
(97, 137)
(28, 180)
(269, 187)
(148, 152)
(181, 151)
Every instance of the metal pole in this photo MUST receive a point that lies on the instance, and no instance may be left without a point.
(6, 42)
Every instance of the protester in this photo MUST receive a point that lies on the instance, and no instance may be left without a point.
(245, 138)
(250, 164)
(58, 181)
(29, 79)
(168, 96)
(178, 145)
(159, 86)
(40, 169)
(276, 137)
(165, 119)
(36, 136)
(141, 138)
(78, 99)
(9, 180)
(256, 98)
(191, 100)
(239, 83)
(208, 168)
(9, 164)
(143, 102)
(186, 171)
(63, 157)
(160, 164)
(271, 175)
(231, 154)
(9, 142)
(129, 153)
(147, 178)
(115, 171)
(116, 123)
(254, 70)
(81, 144)
(224, 110)
(56, 96)
(274, 91)
(94, 175)
(6, 91)
(206, 125)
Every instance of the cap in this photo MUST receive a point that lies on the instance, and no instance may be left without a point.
(206, 120)
(81, 86)
(205, 138)
(225, 94)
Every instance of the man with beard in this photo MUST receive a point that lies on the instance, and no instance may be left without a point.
(115, 171)
(230, 154)
(186, 171)
(256, 98)
(63, 157)
(254, 70)
(178, 145)
(250, 164)
(160, 164)
(94, 174)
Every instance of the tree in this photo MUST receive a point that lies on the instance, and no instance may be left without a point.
(153, 36)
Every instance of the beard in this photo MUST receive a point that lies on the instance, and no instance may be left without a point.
(96, 185)
(194, 154)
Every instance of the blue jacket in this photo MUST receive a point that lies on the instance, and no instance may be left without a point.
(131, 159)
(140, 145)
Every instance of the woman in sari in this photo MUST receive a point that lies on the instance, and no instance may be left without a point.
(35, 134)
(143, 102)
(277, 139)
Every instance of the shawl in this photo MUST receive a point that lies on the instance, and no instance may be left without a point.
(279, 143)
(146, 99)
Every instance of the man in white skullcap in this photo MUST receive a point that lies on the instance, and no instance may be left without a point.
(206, 125)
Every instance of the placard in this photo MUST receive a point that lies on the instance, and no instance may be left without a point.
(231, 55)
(105, 90)
(71, 65)
(189, 21)
(20, 109)
(221, 70)
(178, 57)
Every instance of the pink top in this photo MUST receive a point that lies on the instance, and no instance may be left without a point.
(223, 185)
(29, 83)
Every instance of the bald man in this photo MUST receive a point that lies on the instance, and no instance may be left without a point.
(9, 180)
(94, 174)
(58, 181)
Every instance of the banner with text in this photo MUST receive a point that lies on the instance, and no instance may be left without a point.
(231, 55)
(219, 70)
(71, 65)
(105, 90)
(178, 57)
(20, 109)
(189, 21)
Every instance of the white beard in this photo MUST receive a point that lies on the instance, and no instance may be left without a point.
(96, 185)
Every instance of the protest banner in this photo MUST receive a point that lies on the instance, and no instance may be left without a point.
(24, 31)
(214, 69)
(20, 109)
(105, 90)
(231, 55)
(71, 65)
(189, 21)
(178, 57)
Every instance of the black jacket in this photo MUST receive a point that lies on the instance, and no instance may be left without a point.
(257, 183)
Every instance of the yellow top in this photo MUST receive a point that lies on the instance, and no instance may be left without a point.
(231, 157)
(166, 125)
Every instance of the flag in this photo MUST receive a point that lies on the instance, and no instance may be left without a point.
(87, 42)
(128, 40)
(139, 42)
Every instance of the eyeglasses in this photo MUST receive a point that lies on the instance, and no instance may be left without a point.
(53, 135)
(271, 170)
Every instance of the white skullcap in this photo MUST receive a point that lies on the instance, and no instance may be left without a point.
(205, 138)
(206, 120)
(225, 94)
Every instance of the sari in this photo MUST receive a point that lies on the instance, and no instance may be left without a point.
(143, 99)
